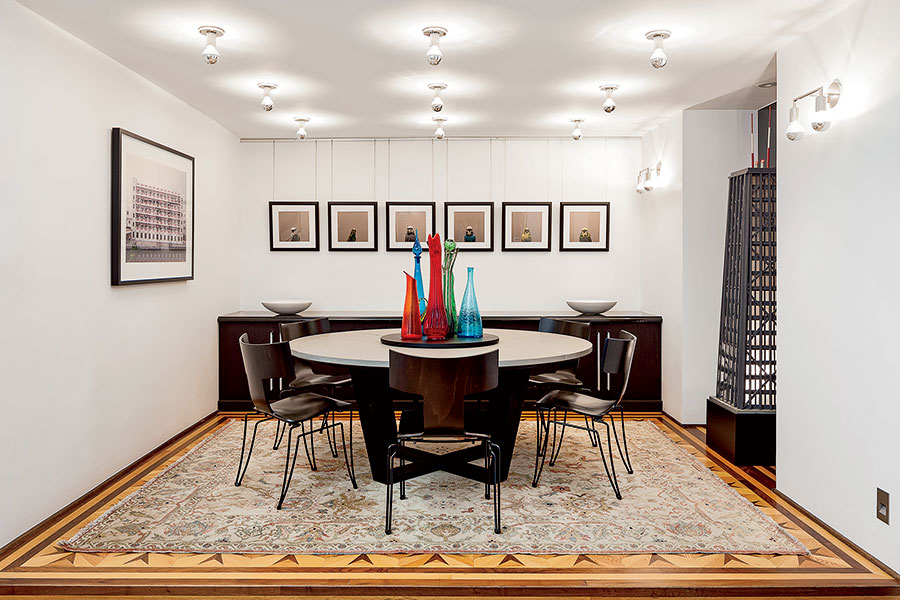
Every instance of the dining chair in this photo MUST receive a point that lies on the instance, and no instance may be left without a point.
(305, 378)
(615, 362)
(443, 384)
(266, 365)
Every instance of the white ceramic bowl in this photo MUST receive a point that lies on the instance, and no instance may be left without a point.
(591, 307)
(287, 307)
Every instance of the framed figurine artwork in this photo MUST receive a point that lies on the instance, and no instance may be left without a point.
(584, 226)
(353, 226)
(470, 225)
(152, 211)
(526, 226)
(293, 225)
(405, 220)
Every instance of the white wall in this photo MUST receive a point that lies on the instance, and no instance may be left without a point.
(838, 214)
(93, 376)
(459, 170)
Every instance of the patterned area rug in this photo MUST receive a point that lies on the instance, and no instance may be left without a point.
(671, 504)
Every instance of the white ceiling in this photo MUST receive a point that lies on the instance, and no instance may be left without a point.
(514, 67)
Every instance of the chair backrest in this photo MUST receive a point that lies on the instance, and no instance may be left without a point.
(443, 384)
(265, 363)
(618, 352)
(292, 331)
(562, 327)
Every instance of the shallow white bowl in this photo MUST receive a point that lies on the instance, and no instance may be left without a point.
(287, 307)
(591, 307)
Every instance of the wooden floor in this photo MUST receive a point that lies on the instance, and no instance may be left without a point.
(33, 565)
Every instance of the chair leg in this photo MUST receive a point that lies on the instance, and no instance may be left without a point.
(330, 433)
(279, 434)
(402, 481)
(310, 459)
(350, 471)
(625, 458)
(539, 430)
(562, 432)
(613, 481)
(495, 451)
(241, 473)
(288, 475)
(392, 451)
(487, 471)
(541, 453)
(587, 423)
(352, 467)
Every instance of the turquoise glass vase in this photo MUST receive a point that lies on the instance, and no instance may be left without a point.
(469, 317)
(420, 286)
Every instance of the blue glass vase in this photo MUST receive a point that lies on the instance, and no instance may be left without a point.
(420, 286)
(469, 317)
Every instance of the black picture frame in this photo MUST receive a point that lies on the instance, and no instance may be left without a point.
(332, 242)
(391, 245)
(489, 231)
(506, 247)
(117, 277)
(563, 209)
(314, 219)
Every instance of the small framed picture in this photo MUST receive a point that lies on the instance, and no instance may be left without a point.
(526, 226)
(470, 225)
(353, 226)
(152, 211)
(584, 226)
(404, 219)
(293, 225)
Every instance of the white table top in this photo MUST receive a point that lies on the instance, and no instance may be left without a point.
(363, 348)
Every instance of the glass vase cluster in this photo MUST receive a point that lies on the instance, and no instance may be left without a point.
(469, 317)
(435, 326)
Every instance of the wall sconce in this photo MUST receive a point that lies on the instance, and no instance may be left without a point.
(648, 178)
(826, 99)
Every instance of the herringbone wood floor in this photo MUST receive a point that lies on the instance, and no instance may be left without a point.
(33, 565)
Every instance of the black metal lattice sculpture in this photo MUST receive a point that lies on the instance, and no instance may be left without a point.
(746, 367)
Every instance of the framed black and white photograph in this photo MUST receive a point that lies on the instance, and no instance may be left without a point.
(152, 211)
(404, 219)
(470, 225)
(526, 226)
(584, 226)
(293, 225)
(353, 226)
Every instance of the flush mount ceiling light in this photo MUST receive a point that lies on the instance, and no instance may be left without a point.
(658, 58)
(301, 131)
(609, 104)
(826, 99)
(434, 54)
(437, 104)
(439, 132)
(576, 133)
(211, 53)
(267, 102)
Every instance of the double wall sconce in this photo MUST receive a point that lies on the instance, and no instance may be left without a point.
(826, 99)
(645, 178)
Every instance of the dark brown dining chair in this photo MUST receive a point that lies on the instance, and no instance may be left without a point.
(443, 384)
(306, 379)
(266, 365)
(616, 362)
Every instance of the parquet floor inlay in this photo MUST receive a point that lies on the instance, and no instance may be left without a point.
(35, 565)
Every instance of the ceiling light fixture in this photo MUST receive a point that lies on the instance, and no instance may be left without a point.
(267, 102)
(639, 188)
(826, 99)
(576, 133)
(301, 131)
(439, 132)
(766, 84)
(434, 54)
(658, 58)
(211, 53)
(437, 104)
(795, 129)
(609, 104)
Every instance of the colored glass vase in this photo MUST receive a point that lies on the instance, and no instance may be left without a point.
(420, 285)
(411, 326)
(469, 316)
(450, 252)
(435, 325)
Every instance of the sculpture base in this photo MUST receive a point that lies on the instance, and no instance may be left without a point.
(394, 339)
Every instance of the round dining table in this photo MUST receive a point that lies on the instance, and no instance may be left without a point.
(368, 360)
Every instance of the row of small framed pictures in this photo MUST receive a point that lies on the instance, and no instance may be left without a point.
(525, 226)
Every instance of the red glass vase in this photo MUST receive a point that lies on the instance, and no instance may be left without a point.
(411, 326)
(435, 325)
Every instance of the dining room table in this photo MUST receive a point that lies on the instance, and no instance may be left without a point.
(368, 360)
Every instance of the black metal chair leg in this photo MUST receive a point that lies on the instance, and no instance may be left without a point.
(279, 434)
(312, 447)
(495, 451)
(537, 433)
(392, 451)
(487, 471)
(613, 481)
(625, 458)
(555, 451)
(350, 471)
(402, 481)
(352, 467)
(541, 453)
(286, 483)
(310, 460)
(240, 474)
(587, 423)
(330, 434)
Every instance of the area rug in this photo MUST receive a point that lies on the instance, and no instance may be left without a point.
(671, 504)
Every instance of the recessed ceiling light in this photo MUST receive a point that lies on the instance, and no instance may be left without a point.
(267, 102)
(434, 54)
(658, 58)
(767, 84)
(609, 104)
(438, 103)
(211, 53)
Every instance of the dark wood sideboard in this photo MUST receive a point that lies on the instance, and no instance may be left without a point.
(644, 388)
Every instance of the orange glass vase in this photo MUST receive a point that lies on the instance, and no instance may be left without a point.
(435, 325)
(411, 326)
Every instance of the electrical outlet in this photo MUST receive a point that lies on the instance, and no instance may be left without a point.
(883, 505)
